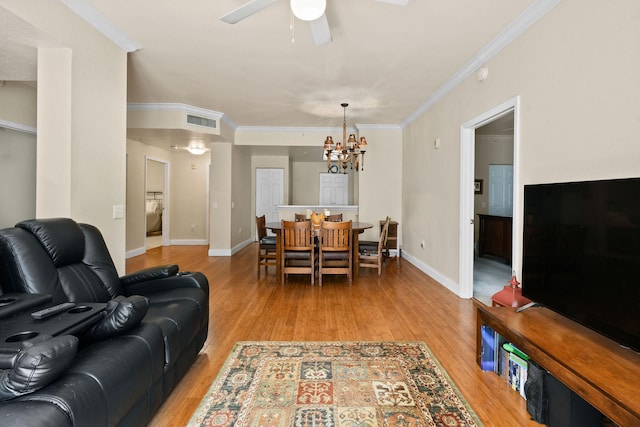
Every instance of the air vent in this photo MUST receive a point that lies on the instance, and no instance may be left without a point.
(201, 121)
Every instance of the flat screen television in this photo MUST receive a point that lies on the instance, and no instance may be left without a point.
(581, 254)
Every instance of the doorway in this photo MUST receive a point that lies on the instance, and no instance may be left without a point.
(471, 204)
(156, 202)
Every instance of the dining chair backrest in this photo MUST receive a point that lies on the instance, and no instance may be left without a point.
(297, 235)
(335, 236)
(261, 227)
(336, 246)
(333, 218)
(267, 244)
(298, 249)
(374, 259)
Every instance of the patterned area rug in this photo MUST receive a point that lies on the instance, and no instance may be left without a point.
(328, 384)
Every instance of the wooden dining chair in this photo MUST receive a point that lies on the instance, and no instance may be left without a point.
(373, 259)
(267, 245)
(333, 218)
(335, 243)
(298, 249)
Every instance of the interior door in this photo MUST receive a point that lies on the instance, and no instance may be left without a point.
(334, 189)
(269, 192)
(501, 190)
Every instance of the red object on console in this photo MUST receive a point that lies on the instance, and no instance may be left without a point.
(510, 296)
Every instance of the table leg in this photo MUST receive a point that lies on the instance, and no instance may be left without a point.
(356, 254)
(278, 254)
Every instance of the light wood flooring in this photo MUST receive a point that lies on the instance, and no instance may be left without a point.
(402, 305)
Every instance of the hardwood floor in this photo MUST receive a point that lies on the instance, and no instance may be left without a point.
(402, 305)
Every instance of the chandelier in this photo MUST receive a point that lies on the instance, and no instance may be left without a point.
(348, 152)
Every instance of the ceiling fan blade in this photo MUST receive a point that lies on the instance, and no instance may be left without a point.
(246, 10)
(396, 2)
(320, 30)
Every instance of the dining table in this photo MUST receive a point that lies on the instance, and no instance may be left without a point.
(356, 227)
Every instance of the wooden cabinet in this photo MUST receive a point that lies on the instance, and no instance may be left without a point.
(495, 236)
(596, 368)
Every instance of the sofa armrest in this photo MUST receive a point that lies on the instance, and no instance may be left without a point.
(147, 274)
(180, 280)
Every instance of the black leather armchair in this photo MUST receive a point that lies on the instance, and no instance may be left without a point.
(121, 380)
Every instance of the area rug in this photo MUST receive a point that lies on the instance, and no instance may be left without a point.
(328, 384)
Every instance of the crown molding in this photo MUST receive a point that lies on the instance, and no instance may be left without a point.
(378, 127)
(529, 17)
(230, 123)
(189, 109)
(86, 11)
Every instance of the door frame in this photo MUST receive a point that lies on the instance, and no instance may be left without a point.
(166, 241)
(467, 174)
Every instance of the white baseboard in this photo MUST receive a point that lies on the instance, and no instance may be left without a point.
(134, 252)
(230, 252)
(439, 277)
(176, 242)
(188, 242)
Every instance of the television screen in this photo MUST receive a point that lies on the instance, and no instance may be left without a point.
(581, 253)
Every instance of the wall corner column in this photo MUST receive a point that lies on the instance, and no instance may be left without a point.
(53, 158)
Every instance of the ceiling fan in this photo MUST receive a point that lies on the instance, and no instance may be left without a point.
(306, 10)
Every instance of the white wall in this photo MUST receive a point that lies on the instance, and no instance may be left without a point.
(576, 72)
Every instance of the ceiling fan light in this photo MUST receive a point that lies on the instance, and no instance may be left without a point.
(308, 10)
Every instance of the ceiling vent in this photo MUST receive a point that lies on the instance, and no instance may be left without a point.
(201, 121)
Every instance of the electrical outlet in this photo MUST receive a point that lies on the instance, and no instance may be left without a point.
(240, 230)
(193, 227)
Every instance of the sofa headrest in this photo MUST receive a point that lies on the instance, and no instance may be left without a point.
(62, 238)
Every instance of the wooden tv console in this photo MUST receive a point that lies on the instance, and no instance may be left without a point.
(596, 368)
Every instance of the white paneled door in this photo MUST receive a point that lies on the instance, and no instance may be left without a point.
(334, 189)
(501, 190)
(269, 192)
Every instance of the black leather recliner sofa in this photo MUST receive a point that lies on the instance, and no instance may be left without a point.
(116, 380)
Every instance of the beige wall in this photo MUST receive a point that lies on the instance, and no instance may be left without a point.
(305, 183)
(155, 176)
(17, 153)
(576, 73)
(220, 184)
(379, 183)
(189, 198)
(242, 221)
(18, 103)
(17, 176)
(81, 123)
